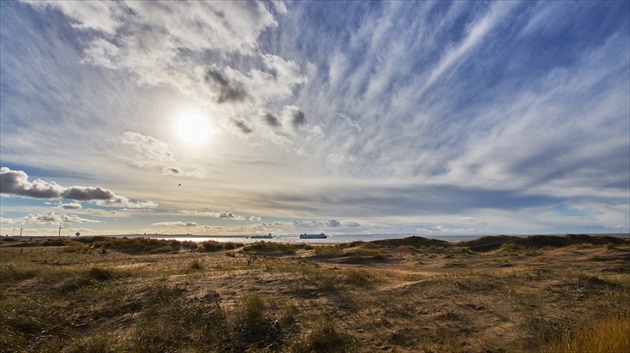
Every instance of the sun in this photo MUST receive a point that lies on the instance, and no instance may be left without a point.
(193, 127)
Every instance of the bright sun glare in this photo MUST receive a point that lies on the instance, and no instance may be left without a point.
(193, 128)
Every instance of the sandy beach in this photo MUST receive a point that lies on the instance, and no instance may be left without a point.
(493, 294)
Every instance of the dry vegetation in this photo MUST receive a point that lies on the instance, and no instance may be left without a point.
(499, 294)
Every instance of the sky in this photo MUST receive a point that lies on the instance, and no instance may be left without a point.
(343, 117)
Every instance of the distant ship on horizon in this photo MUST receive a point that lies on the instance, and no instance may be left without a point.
(313, 236)
(268, 236)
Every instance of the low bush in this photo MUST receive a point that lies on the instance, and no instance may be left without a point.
(213, 246)
(324, 337)
(100, 274)
(196, 265)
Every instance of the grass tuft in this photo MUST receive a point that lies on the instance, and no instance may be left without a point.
(608, 335)
(196, 265)
(100, 274)
(214, 246)
(253, 328)
(324, 337)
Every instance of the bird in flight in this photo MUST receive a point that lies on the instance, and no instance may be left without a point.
(179, 185)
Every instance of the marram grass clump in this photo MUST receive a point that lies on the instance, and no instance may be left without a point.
(611, 334)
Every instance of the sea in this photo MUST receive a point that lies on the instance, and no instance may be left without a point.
(331, 239)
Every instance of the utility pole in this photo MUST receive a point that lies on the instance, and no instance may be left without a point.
(20, 231)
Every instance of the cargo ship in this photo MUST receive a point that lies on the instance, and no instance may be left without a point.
(268, 236)
(313, 236)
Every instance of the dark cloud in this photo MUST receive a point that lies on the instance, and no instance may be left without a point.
(299, 119)
(242, 125)
(332, 223)
(225, 89)
(294, 117)
(172, 171)
(15, 182)
(87, 193)
(270, 120)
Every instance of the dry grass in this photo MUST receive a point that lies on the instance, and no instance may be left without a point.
(67, 296)
(611, 334)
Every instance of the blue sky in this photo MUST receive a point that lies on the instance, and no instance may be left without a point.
(399, 117)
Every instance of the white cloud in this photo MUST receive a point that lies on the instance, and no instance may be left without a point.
(150, 150)
(164, 44)
(175, 224)
(71, 206)
(50, 217)
(5, 220)
(15, 182)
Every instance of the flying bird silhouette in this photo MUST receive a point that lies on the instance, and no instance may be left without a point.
(179, 184)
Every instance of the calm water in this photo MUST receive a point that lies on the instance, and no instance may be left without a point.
(332, 239)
